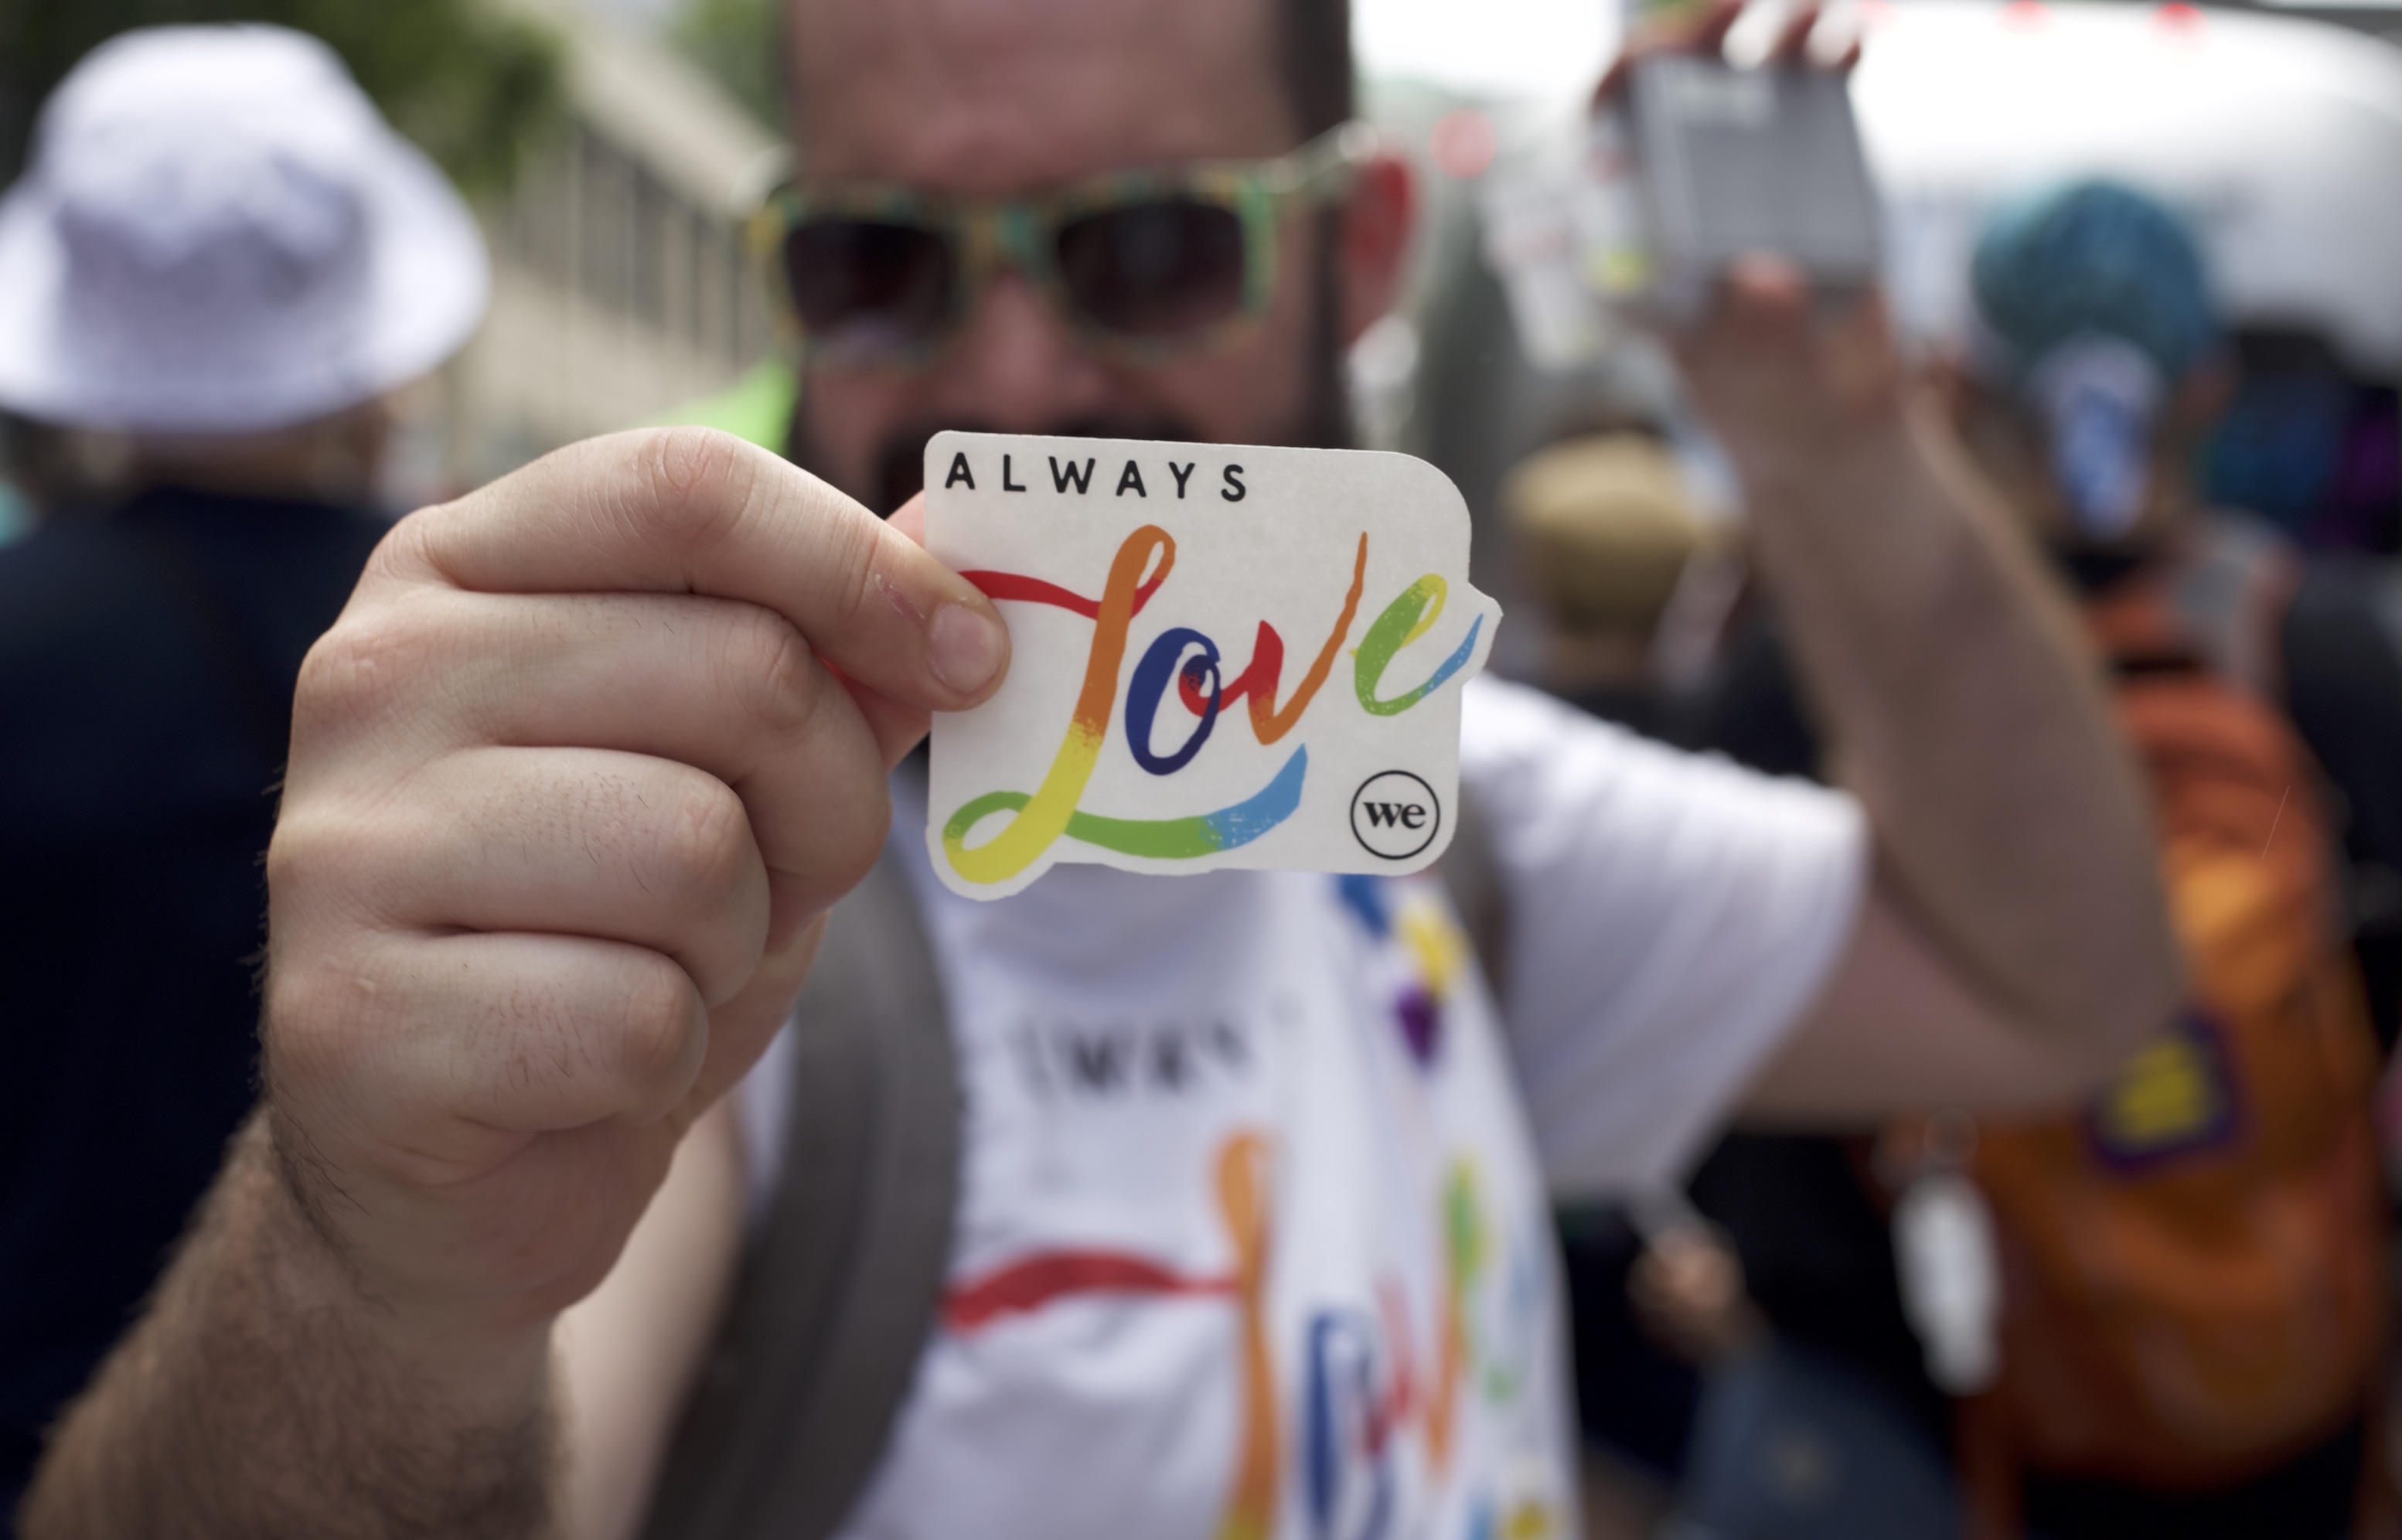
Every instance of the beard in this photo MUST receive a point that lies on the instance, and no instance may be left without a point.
(898, 470)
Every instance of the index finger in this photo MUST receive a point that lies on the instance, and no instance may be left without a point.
(691, 510)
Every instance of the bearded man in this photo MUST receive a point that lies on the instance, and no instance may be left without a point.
(594, 749)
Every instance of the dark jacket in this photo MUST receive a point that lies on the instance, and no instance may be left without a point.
(148, 657)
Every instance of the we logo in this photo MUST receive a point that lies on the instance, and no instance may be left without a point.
(1395, 814)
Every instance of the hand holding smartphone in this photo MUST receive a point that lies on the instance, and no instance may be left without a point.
(1733, 163)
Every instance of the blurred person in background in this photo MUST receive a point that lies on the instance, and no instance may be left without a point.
(2089, 387)
(1608, 528)
(1610, 532)
(219, 263)
(2192, 1334)
(571, 789)
(1682, 1386)
(2189, 1337)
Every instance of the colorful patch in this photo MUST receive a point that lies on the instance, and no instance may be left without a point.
(1034, 1282)
(1419, 1015)
(1438, 946)
(1364, 896)
(1361, 1389)
(1437, 950)
(2175, 1097)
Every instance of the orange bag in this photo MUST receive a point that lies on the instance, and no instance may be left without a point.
(2192, 1268)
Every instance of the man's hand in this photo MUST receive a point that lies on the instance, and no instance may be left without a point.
(572, 781)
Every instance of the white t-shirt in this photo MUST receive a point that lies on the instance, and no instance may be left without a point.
(1253, 1236)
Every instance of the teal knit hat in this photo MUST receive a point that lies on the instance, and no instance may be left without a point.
(2091, 258)
(2091, 307)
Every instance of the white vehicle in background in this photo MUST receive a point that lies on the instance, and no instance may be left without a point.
(2280, 137)
(2281, 140)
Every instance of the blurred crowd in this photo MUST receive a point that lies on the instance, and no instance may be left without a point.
(1853, 1295)
(2143, 1292)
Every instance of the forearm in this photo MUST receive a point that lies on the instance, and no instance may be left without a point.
(1968, 716)
(263, 1395)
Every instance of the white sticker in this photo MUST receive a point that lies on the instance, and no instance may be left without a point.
(1221, 655)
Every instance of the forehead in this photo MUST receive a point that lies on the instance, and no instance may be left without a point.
(992, 96)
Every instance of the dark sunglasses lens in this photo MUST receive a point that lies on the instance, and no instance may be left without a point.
(860, 286)
(1162, 269)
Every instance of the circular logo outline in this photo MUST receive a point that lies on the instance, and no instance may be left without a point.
(1434, 826)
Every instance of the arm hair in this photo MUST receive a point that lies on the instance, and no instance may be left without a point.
(257, 1399)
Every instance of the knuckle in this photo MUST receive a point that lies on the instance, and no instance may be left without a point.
(295, 850)
(778, 671)
(706, 844)
(309, 857)
(852, 848)
(309, 1028)
(333, 868)
(661, 1017)
(697, 483)
(686, 459)
(360, 669)
(407, 551)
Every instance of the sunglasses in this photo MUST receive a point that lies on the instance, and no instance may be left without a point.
(1143, 266)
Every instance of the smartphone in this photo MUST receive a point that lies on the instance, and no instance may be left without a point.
(1736, 161)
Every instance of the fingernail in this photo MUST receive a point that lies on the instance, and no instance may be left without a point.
(964, 647)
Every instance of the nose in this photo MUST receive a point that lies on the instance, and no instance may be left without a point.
(1016, 365)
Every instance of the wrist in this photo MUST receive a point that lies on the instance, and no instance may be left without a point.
(488, 1364)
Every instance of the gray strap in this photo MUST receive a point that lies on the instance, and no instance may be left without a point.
(839, 1289)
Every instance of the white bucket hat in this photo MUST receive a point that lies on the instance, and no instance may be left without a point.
(220, 235)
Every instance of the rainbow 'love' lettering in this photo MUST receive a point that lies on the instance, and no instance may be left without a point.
(1341, 781)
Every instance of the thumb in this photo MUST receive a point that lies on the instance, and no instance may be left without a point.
(897, 726)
